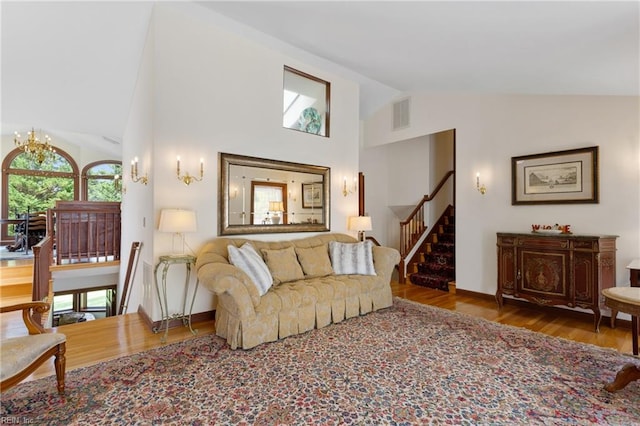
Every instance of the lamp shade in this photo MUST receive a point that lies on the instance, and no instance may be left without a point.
(360, 223)
(276, 206)
(177, 221)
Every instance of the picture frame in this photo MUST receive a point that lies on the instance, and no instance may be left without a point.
(312, 195)
(560, 177)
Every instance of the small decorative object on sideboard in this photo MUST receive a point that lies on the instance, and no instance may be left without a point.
(551, 229)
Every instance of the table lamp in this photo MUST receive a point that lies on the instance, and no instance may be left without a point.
(360, 224)
(276, 207)
(177, 221)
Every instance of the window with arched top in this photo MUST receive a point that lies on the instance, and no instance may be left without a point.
(102, 181)
(31, 186)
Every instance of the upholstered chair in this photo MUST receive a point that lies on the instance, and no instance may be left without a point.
(22, 355)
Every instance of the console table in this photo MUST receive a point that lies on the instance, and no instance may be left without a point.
(166, 262)
(556, 269)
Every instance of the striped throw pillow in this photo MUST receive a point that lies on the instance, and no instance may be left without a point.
(248, 260)
(352, 258)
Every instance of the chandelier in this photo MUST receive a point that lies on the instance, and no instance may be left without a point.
(37, 147)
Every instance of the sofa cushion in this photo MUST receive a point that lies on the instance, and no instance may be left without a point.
(352, 258)
(315, 261)
(248, 260)
(283, 265)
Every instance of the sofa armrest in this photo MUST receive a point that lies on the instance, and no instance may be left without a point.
(384, 260)
(225, 278)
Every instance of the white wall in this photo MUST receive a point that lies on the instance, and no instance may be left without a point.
(442, 162)
(214, 91)
(138, 214)
(492, 129)
(375, 167)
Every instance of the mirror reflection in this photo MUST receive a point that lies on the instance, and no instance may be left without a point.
(268, 196)
(306, 102)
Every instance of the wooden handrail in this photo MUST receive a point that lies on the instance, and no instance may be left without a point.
(413, 228)
(427, 198)
(42, 259)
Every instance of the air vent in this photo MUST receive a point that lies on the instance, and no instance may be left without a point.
(401, 114)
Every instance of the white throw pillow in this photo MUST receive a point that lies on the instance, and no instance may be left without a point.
(248, 259)
(352, 258)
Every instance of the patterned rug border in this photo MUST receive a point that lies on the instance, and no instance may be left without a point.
(379, 368)
(523, 329)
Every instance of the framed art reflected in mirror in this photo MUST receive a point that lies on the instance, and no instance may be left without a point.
(311, 195)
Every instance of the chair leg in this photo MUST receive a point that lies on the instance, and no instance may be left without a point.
(626, 375)
(60, 364)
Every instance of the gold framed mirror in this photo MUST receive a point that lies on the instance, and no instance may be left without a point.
(260, 196)
(306, 101)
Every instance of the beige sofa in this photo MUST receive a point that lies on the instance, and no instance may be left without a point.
(246, 319)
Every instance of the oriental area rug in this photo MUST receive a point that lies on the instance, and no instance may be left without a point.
(408, 364)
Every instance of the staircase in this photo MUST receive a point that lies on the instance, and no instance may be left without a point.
(16, 280)
(435, 266)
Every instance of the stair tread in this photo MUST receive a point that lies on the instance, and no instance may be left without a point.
(9, 282)
(15, 300)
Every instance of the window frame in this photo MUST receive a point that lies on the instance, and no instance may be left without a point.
(85, 177)
(7, 171)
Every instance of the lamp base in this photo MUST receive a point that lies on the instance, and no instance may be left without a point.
(179, 252)
(275, 220)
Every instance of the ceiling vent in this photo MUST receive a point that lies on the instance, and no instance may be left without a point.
(401, 114)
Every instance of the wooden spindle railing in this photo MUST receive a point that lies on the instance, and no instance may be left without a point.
(86, 231)
(413, 228)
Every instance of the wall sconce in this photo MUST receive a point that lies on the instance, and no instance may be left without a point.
(481, 188)
(233, 192)
(187, 178)
(118, 184)
(134, 173)
(360, 224)
(292, 193)
(346, 191)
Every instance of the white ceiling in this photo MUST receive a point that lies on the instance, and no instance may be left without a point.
(72, 66)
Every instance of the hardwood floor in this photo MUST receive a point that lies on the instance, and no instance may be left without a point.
(91, 342)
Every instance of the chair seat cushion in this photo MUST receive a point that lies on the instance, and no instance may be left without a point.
(629, 295)
(19, 353)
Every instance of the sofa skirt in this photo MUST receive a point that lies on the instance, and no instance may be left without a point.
(297, 307)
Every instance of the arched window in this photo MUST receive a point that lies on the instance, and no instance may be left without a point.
(30, 186)
(102, 181)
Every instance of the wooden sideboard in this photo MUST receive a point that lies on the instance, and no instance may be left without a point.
(556, 269)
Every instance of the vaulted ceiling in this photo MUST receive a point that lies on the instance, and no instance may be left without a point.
(71, 67)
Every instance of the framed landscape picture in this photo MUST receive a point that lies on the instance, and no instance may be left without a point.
(561, 177)
(311, 195)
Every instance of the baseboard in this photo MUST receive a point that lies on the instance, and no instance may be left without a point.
(452, 287)
(176, 322)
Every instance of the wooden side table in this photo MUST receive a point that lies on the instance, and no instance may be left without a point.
(166, 262)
